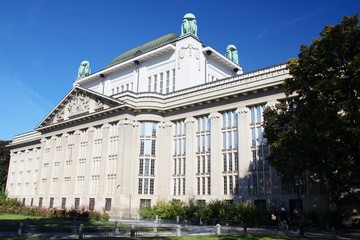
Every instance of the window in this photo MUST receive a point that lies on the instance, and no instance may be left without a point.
(40, 202)
(91, 204)
(107, 204)
(155, 83)
(63, 203)
(77, 203)
(149, 84)
(161, 82)
(173, 80)
(51, 202)
(167, 81)
(144, 203)
(31, 202)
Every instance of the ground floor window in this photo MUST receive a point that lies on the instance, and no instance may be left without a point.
(107, 204)
(51, 203)
(63, 203)
(77, 203)
(40, 202)
(91, 204)
(144, 203)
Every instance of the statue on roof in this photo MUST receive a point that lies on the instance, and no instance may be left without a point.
(232, 54)
(84, 69)
(188, 25)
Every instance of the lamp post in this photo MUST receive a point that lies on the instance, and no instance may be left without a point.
(298, 184)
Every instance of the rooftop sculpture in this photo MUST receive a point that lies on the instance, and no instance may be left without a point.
(188, 25)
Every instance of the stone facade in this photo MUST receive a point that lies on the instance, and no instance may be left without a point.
(180, 121)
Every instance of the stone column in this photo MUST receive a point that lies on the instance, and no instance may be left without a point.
(89, 159)
(244, 140)
(163, 162)
(104, 161)
(74, 158)
(190, 160)
(128, 152)
(215, 155)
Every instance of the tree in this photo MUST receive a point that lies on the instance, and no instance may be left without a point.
(4, 162)
(317, 128)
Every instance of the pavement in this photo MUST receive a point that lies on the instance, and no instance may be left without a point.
(155, 229)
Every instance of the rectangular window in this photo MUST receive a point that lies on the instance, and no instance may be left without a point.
(63, 203)
(146, 166)
(77, 203)
(203, 164)
(152, 186)
(224, 163)
(152, 167)
(161, 82)
(107, 204)
(174, 189)
(141, 166)
(51, 202)
(91, 204)
(208, 185)
(31, 202)
(230, 162)
(231, 185)
(142, 145)
(167, 81)
(149, 84)
(140, 186)
(173, 80)
(236, 161)
(144, 203)
(146, 186)
(198, 185)
(225, 185)
(252, 110)
(198, 164)
(40, 202)
(155, 83)
(153, 144)
(203, 186)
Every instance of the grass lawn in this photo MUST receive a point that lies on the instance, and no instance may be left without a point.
(17, 217)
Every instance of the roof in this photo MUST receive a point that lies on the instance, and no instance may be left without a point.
(147, 47)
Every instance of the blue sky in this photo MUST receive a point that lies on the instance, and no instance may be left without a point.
(43, 42)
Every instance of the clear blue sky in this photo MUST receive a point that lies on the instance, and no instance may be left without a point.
(43, 42)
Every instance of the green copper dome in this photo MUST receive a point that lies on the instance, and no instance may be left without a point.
(147, 47)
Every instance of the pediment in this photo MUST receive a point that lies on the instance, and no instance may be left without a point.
(77, 103)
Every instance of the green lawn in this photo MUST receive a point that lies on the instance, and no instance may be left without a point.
(17, 217)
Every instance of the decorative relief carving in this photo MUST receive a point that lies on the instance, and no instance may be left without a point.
(190, 48)
(165, 124)
(214, 115)
(190, 120)
(242, 111)
(78, 104)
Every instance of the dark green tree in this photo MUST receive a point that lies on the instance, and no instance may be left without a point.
(317, 128)
(4, 162)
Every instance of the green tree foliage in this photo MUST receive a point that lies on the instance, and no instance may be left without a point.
(318, 129)
(214, 212)
(4, 162)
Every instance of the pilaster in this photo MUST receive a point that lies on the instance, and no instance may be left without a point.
(244, 148)
(163, 160)
(190, 160)
(215, 155)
